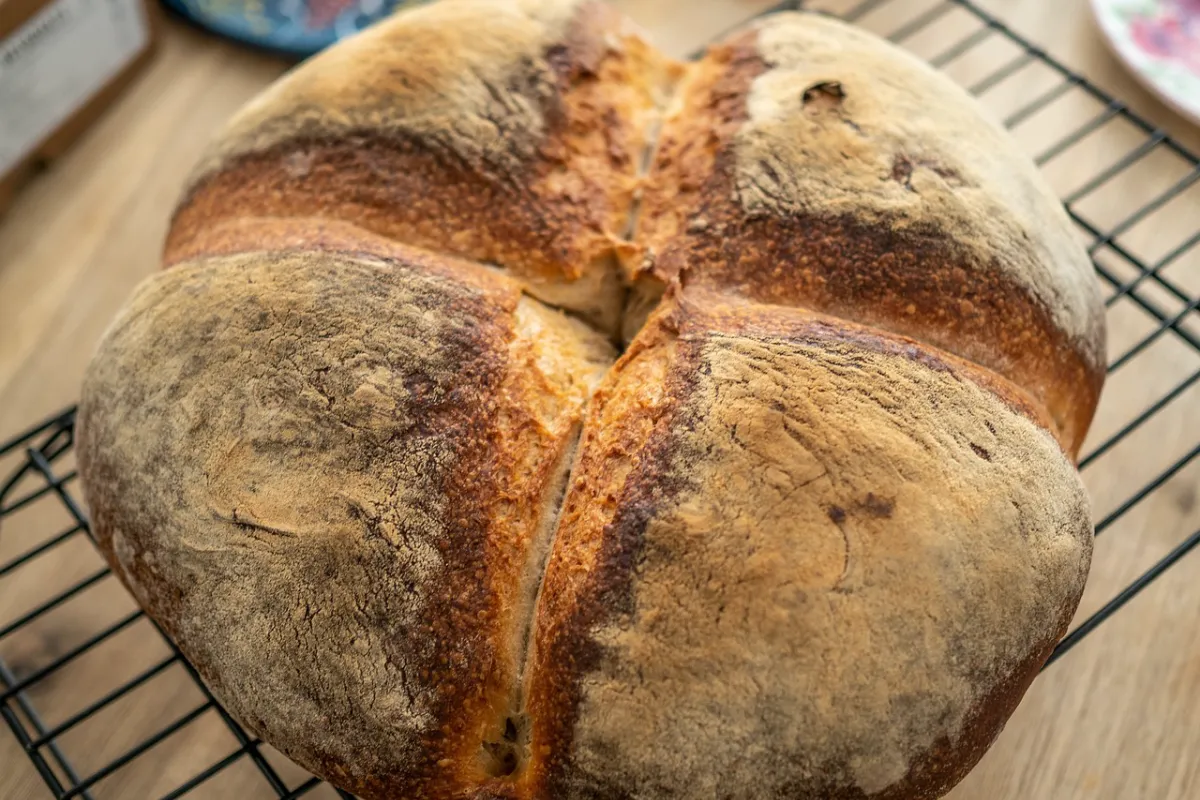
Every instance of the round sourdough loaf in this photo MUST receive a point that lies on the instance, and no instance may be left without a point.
(525, 415)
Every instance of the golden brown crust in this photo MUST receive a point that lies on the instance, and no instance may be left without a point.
(810, 537)
(832, 571)
(764, 321)
(804, 166)
(376, 439)
(628, 415)
(515, 143)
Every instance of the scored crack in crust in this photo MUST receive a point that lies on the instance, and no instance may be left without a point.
(515, 142)
(367, 453)
(282, 473)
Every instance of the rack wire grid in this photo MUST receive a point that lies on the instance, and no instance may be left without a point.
(44, 519)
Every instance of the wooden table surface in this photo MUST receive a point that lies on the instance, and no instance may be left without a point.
(1118, 718)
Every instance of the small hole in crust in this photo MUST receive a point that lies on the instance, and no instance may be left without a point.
(902, 170)
(504, 753)
(824, 96)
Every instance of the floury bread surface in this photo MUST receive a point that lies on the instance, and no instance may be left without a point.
(524, 415)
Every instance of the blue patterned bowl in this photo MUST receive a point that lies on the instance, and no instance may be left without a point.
(293, 27)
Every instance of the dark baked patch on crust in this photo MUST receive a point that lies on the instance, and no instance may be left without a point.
(299, 235)
(899, 278)
(393, 187)
(757, 320)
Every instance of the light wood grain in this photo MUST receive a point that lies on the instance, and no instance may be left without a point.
(1116, 719)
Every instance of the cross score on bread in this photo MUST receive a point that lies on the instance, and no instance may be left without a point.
(368, 449)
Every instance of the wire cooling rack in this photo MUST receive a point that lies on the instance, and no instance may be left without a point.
(38, 500)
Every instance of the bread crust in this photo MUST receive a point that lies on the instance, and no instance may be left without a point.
(507, 132)
(835, 565)
(324, 474)
(811, 535)
(805, 164)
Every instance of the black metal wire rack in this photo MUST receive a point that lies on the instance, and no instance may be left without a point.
(38, 495)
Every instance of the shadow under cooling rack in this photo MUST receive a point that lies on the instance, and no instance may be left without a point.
(97, 629)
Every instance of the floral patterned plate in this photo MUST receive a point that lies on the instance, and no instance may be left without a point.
(293, 27)
(1159, 40)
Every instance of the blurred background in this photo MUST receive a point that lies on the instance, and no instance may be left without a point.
(106, 104)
